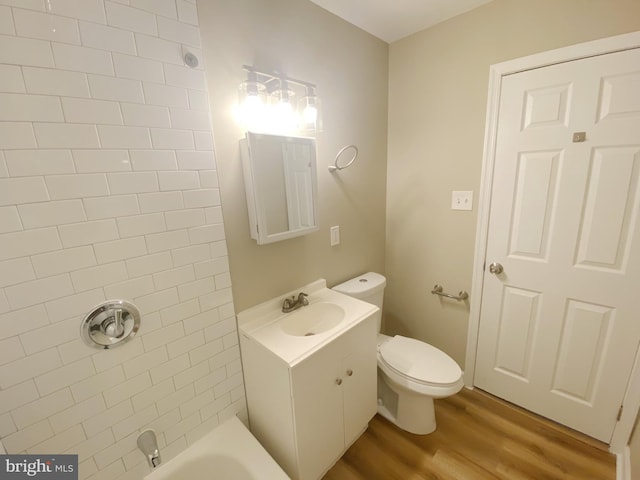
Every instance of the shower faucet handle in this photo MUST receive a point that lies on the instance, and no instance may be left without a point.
(110, 324)
(114, 326)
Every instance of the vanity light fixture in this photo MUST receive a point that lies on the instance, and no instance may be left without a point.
(278, 115)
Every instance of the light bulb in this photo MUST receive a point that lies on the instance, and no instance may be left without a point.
(252, 99)
(284, 117)
(310, 112)
(252, 104)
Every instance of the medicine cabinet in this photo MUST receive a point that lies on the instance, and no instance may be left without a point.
(280, 179)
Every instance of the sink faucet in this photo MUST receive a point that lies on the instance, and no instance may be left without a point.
(291, 304)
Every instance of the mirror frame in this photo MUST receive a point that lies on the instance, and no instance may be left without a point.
(255, 202)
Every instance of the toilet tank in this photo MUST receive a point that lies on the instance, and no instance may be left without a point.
(368, 287)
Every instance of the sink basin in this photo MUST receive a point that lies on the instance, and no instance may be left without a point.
(313, 319)
(294, 336)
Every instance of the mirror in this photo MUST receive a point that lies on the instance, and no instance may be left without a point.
(281, 183)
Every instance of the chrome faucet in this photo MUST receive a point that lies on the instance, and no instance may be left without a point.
(291, 304)
(148, 443)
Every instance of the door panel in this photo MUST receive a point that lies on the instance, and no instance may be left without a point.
(609, 208)
(558, 328)
(585, 329)
(515, 334)
(547, 106)
(318, 410)
(359, 371)
(619, 96)
(534, 197)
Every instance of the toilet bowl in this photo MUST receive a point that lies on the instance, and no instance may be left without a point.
(411, 373)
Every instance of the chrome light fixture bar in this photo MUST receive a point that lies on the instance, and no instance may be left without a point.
(266, 103)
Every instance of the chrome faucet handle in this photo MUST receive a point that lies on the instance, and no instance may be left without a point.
(288, 304)
(293, 303)
(115, 328)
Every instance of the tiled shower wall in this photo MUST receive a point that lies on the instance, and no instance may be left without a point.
(109, 190)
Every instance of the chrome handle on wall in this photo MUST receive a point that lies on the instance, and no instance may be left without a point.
(110, 324)
(114, 327)
(495, 268)
(462, 295)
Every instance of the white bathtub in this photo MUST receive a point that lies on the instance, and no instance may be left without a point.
(229, 452)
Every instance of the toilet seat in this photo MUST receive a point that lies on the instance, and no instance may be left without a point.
(419, 366)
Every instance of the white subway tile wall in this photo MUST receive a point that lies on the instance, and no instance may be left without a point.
(109, 189)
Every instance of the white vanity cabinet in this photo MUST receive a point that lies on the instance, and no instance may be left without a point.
(307, 413)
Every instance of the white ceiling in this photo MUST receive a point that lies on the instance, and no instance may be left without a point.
(391, 20)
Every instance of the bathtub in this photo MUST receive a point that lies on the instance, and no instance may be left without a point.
(229, 452)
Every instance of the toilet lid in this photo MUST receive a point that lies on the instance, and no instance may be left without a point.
(420, 361)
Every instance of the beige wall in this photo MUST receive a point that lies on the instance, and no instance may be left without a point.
(437, 101)
(350, 69)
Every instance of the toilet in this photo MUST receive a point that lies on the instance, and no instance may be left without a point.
(411, 373)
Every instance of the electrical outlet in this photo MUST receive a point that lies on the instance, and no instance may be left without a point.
(462, 200)
(335, 235)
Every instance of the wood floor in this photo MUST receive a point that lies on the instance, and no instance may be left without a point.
(478, 437)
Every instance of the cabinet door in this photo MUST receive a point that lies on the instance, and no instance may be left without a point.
(318, 410)
(359, 371)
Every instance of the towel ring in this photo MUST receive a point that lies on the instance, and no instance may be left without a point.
(335, 167)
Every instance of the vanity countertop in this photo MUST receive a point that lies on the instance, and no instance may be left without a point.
(263, 323)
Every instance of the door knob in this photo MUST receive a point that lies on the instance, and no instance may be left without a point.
(496, 268)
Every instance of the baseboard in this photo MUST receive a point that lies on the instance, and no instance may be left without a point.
(623, 464)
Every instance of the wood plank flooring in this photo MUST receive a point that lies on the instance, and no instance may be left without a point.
(479, 437)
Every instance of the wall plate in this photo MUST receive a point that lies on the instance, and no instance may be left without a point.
(335, 235)
(462, 200)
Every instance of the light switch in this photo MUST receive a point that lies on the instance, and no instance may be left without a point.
(335, 235)
(462, 200)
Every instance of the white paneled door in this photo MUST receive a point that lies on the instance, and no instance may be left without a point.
(560, 324)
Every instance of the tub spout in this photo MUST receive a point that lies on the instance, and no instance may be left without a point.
(154, 459)
(148, 444)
